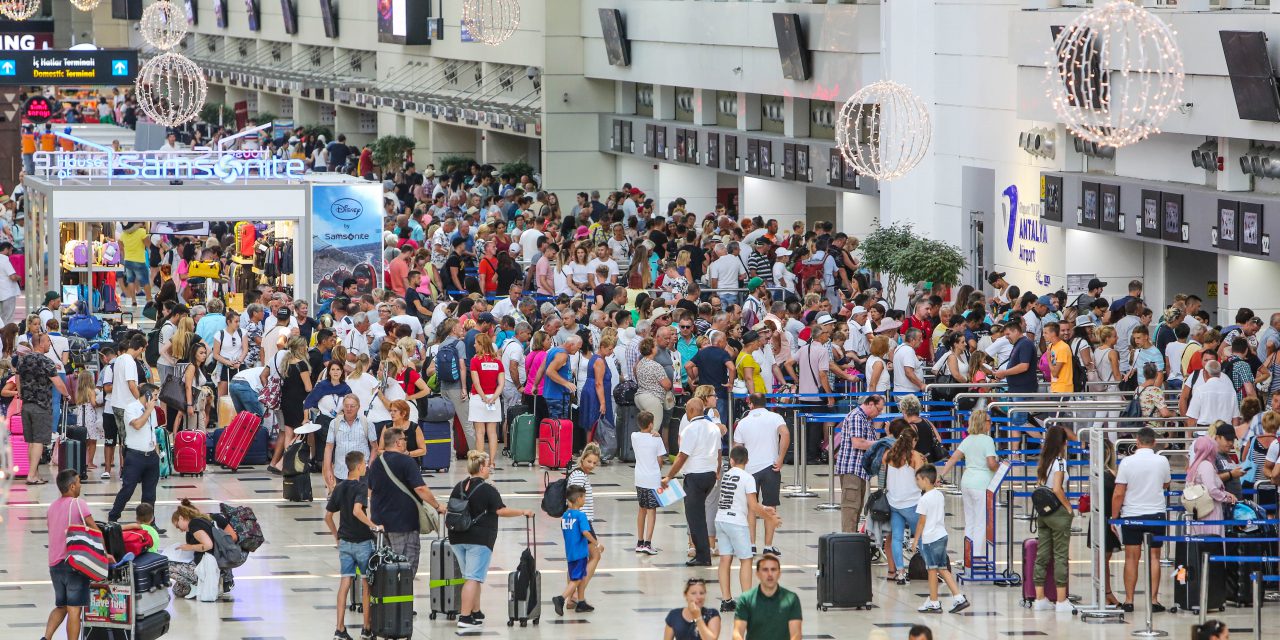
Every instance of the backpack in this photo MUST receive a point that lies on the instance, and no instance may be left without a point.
(624, 393)
(152, 353)
(111, 253)
(458, 516)
(1134, 408)
(84, 324)
(554, 502)
(807, 269)
(1045, 369)
(871, 460)
(447, 369)
(245, 523)
(1078, 374)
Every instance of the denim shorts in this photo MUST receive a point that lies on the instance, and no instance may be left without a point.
(70, 587)
(935, 554)
(733, 540)
(136, 273)
(577, 569)
(353, 557)
(473, 559)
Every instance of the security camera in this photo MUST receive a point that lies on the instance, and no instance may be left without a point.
(531, 72)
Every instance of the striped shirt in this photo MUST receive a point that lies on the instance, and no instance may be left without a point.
(578, 478)
(347, 437)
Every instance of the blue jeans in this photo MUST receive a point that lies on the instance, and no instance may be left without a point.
(900, 520)
(353, 558)
(244, 398)
(1018, 418)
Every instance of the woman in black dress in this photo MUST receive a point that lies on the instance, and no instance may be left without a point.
(295, 374)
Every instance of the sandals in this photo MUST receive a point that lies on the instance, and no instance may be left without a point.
(37, 482)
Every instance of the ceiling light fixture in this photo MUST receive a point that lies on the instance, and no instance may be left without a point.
(884, 130)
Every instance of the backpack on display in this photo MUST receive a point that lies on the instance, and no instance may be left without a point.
(111, 253)
(447, 369)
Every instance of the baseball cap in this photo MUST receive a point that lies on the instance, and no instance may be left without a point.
(857, 309)
(783, 252)
(1046, 300)
(659, 312)
(754, 283)
(515, 247)
(1084, 321)
(486, 317)
(50, 296)
(762, 240)
(1097, 284)
(636, 192)
(995, 276)
(1224, 430)
(750, 336)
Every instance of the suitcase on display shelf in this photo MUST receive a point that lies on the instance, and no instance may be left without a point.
(524, 585)
(844, 571)
(190, 449)
(235, 440)
(555, 442)
(150, 603)
(1030, 547)
(150, 571)
(437, 440)
(1186, 580)
(148, 628)
(390, 595)
(446, 581)
(524, 440)
(298, 488)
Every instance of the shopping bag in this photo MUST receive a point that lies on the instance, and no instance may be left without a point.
(672, 494)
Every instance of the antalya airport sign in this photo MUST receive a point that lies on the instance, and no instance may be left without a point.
(222, 165)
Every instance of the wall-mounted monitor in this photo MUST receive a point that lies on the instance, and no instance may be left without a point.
(1252, 77)
(792, 48)
(403, 21)
(220, 13)
(193, 12)
(290, 12)
(126, 9)
(329, 16)
(251, 9)
(616, 43)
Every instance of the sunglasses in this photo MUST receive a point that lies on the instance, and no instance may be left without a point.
(686, 326)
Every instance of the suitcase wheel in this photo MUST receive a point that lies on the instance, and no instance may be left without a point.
(453, 616)
(535, 621)
(524, 623)
(432, 616)
(511, 623)
(822, 607)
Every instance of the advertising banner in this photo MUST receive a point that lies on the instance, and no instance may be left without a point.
(346, 224)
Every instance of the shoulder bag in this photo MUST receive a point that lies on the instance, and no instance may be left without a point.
(86, 551)
(428, 519)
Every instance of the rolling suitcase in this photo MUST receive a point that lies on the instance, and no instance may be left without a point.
(524, 585)
(437, 440)
(524, 440)
(113, 539)
(166, 452)
(189, 452)
(150, 603)
(844, 570)
(555, 442)
(148, 628)
(446, 580)
(1029, 548)
(626, 425)
(150, 571)
(1186, 575)
(18, 446)
(234, 441)
(71, 449)
(355, 595)
(390, 594)
(298, 488)
(460, 444)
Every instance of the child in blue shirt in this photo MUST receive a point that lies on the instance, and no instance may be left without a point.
(578, 538)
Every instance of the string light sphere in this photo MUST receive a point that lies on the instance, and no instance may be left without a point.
(19, 9)
(86, 5)
(1115, 74)
(884, 130)
(171, 89)
(164, 25)
(491, 21)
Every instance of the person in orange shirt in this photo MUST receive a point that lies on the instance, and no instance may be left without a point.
(48, 141)
(29, 149)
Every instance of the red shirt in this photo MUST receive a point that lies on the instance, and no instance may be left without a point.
(488, 369)
(926, 329)
(409, 381)
(489, 269)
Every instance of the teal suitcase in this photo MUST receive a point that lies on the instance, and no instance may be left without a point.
(524, 440)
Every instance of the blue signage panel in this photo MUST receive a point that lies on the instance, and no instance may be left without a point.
(57, 67)
(346, 228)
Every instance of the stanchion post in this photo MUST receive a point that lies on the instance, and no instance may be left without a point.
(831, 504)
(802, 464)
(1147, 631)
(1257, 604)
(1204, 586)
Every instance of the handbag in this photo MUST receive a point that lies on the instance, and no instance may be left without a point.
(1196, 500)
(86, 551)
(624, 393)
(173, 392)
(428, 519)
(271, 393)
(1044, 501)
(197, 269)
(208, 579)
(878, 506)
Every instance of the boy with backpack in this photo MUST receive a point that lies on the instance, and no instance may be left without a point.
(578, 537)
(354, 535)
(144, 516)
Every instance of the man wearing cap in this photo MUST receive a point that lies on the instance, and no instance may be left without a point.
(631, 204)
(758, 263)
(756, 305)
(813, 362)
(1086, 299)
(997, 282)
(783, 277)
(1036, 319)
(727, 272)
(51, 308)
(1228, 464)
(857, 344)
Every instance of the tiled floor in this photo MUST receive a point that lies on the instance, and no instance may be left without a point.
(287, 589)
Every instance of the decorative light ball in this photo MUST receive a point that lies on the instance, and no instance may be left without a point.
(491, 21)
(1114, 74)
(171, 89)
(884, 130)
(19, 9)
(86, 5)
(164, 25)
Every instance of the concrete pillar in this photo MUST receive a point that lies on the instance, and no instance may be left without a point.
(624, 98)
(1232, 178)
(795, 114)
(501, 148)
(419, 130)
(857, 214)
(451, 140)
(704, 107)
(664, 102)
(909, 31)
(748, 111)
(695, 185)
(306, 112)
(573, 108)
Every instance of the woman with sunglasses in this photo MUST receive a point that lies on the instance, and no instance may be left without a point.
(693, 621)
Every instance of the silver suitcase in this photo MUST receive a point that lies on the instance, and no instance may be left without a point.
(446, 580)
(152, 602)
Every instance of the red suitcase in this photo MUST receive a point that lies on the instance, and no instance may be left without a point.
(236, 438)
(1029, 549)
(189, 452)
(555, 443)
(460, 444)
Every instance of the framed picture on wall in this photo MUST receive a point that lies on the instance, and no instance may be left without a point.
(661, 144)
(851, 178)
(766, 158)
(1149, 225)
(680, 145)
(731, 153)
(802, 162)
(1110, 199)
(1089, 204)
(1051, 198)
(753, 156)
(616, 142)
(650, 141)
(835, 168)
(1171, 216)
(1229, 225)
(1251, 227)
(713, 150)
(627, 142)
(789, 162)
(691, 146)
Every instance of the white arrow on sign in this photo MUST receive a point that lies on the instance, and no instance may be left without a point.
(120, 66)
(7, 67)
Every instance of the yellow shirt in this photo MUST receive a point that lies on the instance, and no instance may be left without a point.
(745, 361)
(1064, 381)
(134, 243)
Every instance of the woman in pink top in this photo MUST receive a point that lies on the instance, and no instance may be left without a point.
(533, 363)
(1204, 471)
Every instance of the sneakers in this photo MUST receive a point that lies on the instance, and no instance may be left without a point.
(106, 475)
(772, 551)
(960, 603)
(468, 622)
(753, 550)
(341, 634)
(1064, 607)
(728, 605)
(901, 578)
(930, 606)
(1042, 605)
(478, 616)
(583, 607)
(640, 547)
(366, 634)
(649, 550)
(558, 603)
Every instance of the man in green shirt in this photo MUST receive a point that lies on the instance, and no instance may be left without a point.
(767, 612)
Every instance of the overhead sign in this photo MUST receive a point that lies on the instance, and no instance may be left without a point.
(220, 165)
(57, 67)
(37, 109)
(26, 35)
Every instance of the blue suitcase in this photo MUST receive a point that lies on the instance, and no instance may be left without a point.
(259, 450)
(438, 441)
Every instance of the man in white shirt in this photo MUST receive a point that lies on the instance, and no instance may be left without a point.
(699, 457)
(1000, 347)
(1140, 485)
(767, 438)
(9, 289)
(52, 308)
(857, 342)
(604, 256)
(357, 340)
(141, 453)
(529, 242)
(400, 315)
(509, 305)
(440, 244)
(1213, 399)
(738, 502)
(124, 379)
(906, 364)
(726, 272)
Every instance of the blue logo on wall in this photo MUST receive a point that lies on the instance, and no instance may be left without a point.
(1011, 192)
(346, 209)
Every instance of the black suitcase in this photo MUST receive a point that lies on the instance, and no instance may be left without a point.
(524, 585)
(844, 571)
(390, 595)
(148, 628)
(298, 488)
(112, 539)
(150, 571)
(71, 450)
(626, 425)
(1186, 582)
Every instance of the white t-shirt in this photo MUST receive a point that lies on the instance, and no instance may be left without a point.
(613, 266)
(231, 344)
(8, 288)
(124, 369)
(735, 485)
(903, 357)
(1273, 452)
(270, 322)
(58, 347)
(1173, 352)
(412, 322)
(1145, 473)
(143, 439)
(700, 442)
(513, 350)
(724, 272)
(648, 447)
(166, 338)
(758, 432)
(529, 245)
(1213, 399)
(362, 387)
(933, 507)
(581, 273)
(251, 376)
(999, 350)
(356, 343)
(783, 277)
(104, 379)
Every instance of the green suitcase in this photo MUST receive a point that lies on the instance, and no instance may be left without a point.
(524, 440)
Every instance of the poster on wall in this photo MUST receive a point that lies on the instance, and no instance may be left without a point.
(1251, 227)
(802, 162)
(680, 145)
(1228, 225)
(691, 146)
(835, 168)
(1149, 225)
(788, 162)
(1110, 199)
(713, 150)
(766, 158)
(660, 146)
(731, 152)
(650, 141)
(753, 156)
(1089, 205)
(346, 227)
(1171, 212)
(1051, 198)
